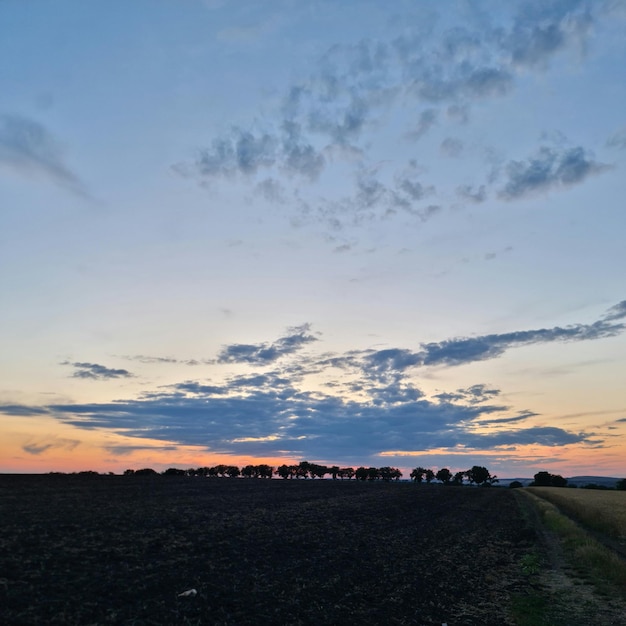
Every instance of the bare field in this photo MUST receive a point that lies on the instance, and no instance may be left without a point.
(601, 510)
(120, 550)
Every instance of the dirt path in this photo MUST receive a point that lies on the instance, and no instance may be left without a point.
(568, 599)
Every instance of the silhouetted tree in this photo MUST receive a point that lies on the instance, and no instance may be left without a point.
(429, 475)
(444, 475)
(174, 471)
(361, 473)
(458, 478)
(248, 471)
(285, 471)
(346, 472)
(542, 479)
(480, 475)
(146, 471)
(545, 479)
(265, 471)
(556, 480)
(318, 471)
(417, 474)
(302, 469)
(516, 484)
(373, 473)
(232, 471)
(220, 470)
(621, 484)
(390, 473)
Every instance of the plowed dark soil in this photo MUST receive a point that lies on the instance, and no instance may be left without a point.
(119, 550)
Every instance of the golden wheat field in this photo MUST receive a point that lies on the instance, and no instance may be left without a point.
(601, 510)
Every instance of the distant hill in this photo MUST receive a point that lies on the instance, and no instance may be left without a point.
(505, 482)
(581, 481)
(578, 481)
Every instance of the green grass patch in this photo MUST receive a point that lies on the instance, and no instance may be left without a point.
(601, 510)
(589, 558)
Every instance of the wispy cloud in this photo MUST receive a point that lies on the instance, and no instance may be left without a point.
(43, 445)
(427, 119)
(127, 450)
(141, 358)
(22, 410)
(267, 353)
(371, 404)
(474, 394)
(29, 148)
(549, 168)
(458, 351)
(269, 417)
(422, 79)
(469, 193)
(616, 312)
(451, 147)
(617, 140)
(95, 371)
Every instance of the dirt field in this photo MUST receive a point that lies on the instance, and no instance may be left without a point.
(119, 550)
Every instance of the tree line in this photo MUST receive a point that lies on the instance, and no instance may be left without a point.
(304, 470)
(477, 475)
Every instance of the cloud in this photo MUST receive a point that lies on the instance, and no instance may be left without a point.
(267, 353)
(458, 113)
(97, 372)
(246, 153)
(370, 405)
(127, 450)
(458, 351)
(377, 197)
(341, 124)
(156, 359)
(543, 29)
(451, 147)
(299, 155)
(354, 93)
(508, 420)
(39, 447)
(467, 192)
(273, 418)
(540, 435)
(240, 152)
(28, 148)
(475, 394)
(151, 359)
(467, 350)
(549, 168)
(19, 410)
(616, 312)
(426, 121)
(617, 140)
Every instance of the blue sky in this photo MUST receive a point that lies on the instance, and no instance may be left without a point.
(354, 233)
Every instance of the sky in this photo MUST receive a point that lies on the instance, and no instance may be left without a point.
(354, 233)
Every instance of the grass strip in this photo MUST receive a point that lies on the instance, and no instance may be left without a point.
(591, 560)
(602, 511)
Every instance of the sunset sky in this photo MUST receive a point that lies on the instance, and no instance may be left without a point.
(353, 233)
